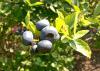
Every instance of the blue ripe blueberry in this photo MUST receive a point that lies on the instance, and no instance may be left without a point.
(27, 37)
(49, 33)
(42, 23)
(44, 46)
(25, 42)
(34, 47)
(57, 37)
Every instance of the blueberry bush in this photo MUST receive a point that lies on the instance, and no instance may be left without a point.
(42, 35)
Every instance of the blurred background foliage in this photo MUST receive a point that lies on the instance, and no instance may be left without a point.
(14, 56)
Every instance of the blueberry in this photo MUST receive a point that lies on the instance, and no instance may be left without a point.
(57, 37)
(34, 47)
(49, 33)
(25, 42)
(42, 23)
(27, 37)
(44, 46)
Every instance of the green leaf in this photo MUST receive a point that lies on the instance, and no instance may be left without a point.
(27, 2)
(58, 23)
(60, 14)
(84, 22)
(27, 18)
(94, 20)
(69, 20)
(65, 30)
(65, 39)
(76, 8)
(80, 34)
(82, 47)
(97, 9)
(37, 4)
(69, 1)
(52, 8)
(75, 21)
(30, 25)
(32, 28)
(24, 25)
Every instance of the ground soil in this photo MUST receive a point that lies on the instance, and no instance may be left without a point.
(85, 64)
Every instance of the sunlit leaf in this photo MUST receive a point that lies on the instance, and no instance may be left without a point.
(27, 2)
(60, 14)
(80, 34)
(84, 22)
(32, 28)
(27, 18)
(21, 69)
(76, 8)
(37, 4)
(94, 20)
(52, 8)
(69, 1)
(58, 23)
(24, 25)
(30, 25)
(69, 20)
(26, 62)
(76, 21)
(23, 52)
(65, 39)
(65, 29)
(82, 47)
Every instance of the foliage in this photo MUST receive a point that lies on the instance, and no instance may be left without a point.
(72, 18)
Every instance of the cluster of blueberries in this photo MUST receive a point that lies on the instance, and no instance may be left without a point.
(48, 34)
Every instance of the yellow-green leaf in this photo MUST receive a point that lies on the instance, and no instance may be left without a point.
(24, 25)
(60, 14)
(82, 47)
(32, 28)
(83, 21)
(80, 34)
(58, 23)
(69, 1)
(27, 18)
(27, 2)
(52, 8)
(65, 29)
(97, 9)
(76, 8)
(76, 21)
(69, 20)
(37, 3)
